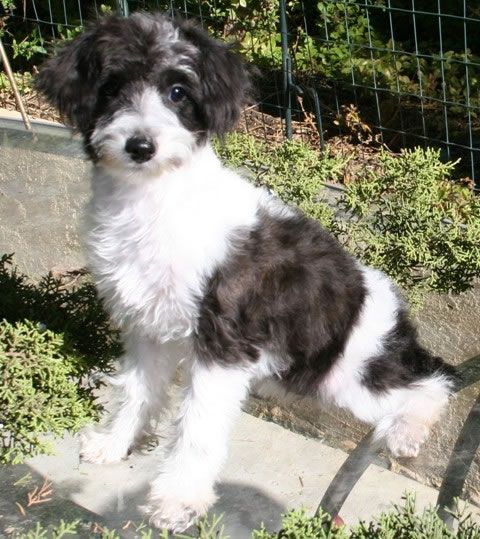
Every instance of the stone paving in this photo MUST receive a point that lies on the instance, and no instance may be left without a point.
(269, 470)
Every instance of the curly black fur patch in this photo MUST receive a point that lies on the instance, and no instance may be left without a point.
(403, 360)
(288, 288)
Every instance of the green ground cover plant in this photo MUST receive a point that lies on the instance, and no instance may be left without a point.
(24, 82)
(400, 522)
(39, 392)
(411, 221)
(62, 307)
(53, 336)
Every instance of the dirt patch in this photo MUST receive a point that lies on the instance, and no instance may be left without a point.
(35, 105)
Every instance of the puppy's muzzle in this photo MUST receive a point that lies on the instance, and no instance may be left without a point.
(140, 148)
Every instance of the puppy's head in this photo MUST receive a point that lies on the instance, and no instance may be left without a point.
(145, 91)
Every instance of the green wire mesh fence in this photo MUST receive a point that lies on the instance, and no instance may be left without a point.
(410, 68)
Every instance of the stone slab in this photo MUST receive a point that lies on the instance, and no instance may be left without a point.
(269, 470)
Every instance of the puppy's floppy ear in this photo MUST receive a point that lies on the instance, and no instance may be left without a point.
(224, 78)
(70, 80)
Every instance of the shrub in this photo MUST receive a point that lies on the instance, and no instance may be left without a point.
(73, 311)
(39, 390)
(51, 335)
(400, 522)
(292, 170)
(409, 220)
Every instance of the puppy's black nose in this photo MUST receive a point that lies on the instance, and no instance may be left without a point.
(140, 148)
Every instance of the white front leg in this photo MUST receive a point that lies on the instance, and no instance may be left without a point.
(184, 489)
(141, 387)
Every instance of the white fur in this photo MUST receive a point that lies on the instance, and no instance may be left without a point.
(162, 220)
(151, 245)
(154, 233)
(407, 414)
(147, 371)
(402, 416)
(342, 385)
(148, 115)
(184, 486)
(152, 242)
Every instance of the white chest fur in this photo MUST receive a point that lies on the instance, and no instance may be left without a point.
(153, 242)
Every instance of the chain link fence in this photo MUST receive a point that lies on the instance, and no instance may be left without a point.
(410, 68)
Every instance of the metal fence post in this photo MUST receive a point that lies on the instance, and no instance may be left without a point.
(11, 78)
(286, 69)
(122, 7)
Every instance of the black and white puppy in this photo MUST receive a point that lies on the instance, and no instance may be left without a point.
(196, 265)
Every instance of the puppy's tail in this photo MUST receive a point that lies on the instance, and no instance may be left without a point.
(429, 365)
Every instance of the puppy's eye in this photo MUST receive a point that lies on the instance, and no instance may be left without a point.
(111, 88)
(177, 93)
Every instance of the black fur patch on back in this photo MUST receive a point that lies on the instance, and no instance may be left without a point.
(287, 288)
(403, 360)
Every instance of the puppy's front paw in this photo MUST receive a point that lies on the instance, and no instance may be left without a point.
(176, 513)
(173, 518)
(101, 447)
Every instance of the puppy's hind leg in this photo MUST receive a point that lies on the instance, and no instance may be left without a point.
(402, 416)
(141, 387)
(385, 377)
(410, 412)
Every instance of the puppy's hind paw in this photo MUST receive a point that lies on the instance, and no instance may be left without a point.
(404, 438)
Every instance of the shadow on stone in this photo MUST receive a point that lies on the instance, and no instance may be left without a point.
(459, 464)
(469, 372)
(243, 507)
(15, 513)
(246, 508)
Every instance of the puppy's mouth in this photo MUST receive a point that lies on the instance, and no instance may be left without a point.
(141, 151)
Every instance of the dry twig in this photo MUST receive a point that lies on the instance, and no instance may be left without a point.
(40, 494)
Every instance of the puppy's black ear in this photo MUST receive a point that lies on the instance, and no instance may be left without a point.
(224, 78)
(70, 80)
